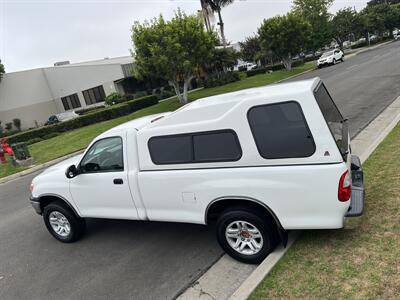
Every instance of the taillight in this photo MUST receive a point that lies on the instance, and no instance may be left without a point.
(344, 192)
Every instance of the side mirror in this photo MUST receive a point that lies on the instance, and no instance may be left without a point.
(72, 171)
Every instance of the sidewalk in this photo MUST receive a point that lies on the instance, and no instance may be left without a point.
(354, 52)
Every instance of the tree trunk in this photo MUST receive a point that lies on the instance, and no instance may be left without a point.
(186, 84)
(178, 93)
(221, 26)
(287, 62)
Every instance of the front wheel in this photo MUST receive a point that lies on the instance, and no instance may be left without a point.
(62, 222)
(246, 235)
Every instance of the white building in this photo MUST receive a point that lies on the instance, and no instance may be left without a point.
(34, 95)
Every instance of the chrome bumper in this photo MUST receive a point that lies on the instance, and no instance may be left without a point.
(356, 208)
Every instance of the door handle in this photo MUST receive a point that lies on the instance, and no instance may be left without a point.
(118, 181)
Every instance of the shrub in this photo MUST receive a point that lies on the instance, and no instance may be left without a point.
(17, 123)
(261, 70)
(87, 119)
(168, 88)
(129, 97)
(166, 94)
(84, 111)
(7, 133)
(140, 94)
(34, 140)
(221, 79)
(273, 68)
(143, 102)
(113, 98)
(8, 126)
(50, 135)
(360, 45)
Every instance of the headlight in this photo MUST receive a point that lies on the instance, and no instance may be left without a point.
(31, 188)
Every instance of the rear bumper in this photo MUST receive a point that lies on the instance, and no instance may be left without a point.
(356, 208)
(36, 205)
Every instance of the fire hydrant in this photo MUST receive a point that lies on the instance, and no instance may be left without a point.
(6, 148)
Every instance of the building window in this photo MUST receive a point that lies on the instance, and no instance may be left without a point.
(71, 101)
(200, 147)
(94, 95)
(281, 131)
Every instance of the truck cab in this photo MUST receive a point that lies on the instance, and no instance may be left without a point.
(254, 163)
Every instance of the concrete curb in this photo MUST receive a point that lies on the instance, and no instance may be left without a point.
(251, 283)
(363, 145)
(38, 167)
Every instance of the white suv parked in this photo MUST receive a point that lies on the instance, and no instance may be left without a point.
(254, 163)
(330, 58)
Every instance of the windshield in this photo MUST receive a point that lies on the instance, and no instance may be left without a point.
(326, 54)
(336, 123)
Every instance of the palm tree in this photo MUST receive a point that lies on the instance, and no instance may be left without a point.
(216, 6)
(1, 70)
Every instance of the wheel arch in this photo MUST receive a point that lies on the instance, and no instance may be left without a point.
(217, 205)
(46, 199)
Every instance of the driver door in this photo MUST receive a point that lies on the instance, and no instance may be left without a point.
(101, 189)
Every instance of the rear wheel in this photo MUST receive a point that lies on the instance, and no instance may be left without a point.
(62, 222)
(334, 61)
(342, 59)
(246, 235)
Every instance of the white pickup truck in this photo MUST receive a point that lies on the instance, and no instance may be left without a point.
(254, 163)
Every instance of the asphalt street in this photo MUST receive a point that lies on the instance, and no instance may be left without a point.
(143, 260)
(364, 85)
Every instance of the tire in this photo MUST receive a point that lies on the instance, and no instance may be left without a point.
(334, 62)
(63, 218)
(342, 59)
(254, 222)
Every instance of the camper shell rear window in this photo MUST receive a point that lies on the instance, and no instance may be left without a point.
(336, 123)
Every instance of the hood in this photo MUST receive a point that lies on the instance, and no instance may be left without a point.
(62, 166)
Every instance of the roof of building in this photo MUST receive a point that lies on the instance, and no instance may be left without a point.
(105, 61)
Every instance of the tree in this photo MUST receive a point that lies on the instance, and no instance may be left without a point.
(344, 23)
(250, 48)
(17, 123)
(8, 126)
(381, 17)
(216, 6)
(221, 60)
(172, 50)
(377, 2)
(316, 13)
(284, 36)
(2, 70)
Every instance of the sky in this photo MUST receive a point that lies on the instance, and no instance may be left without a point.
(38, 33)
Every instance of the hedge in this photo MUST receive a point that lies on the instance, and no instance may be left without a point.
(85, 120)
(274, 68)
(221, 79)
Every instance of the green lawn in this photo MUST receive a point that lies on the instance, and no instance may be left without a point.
(78, 139)
(361, 261)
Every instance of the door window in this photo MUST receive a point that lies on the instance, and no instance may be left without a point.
(104, 156)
